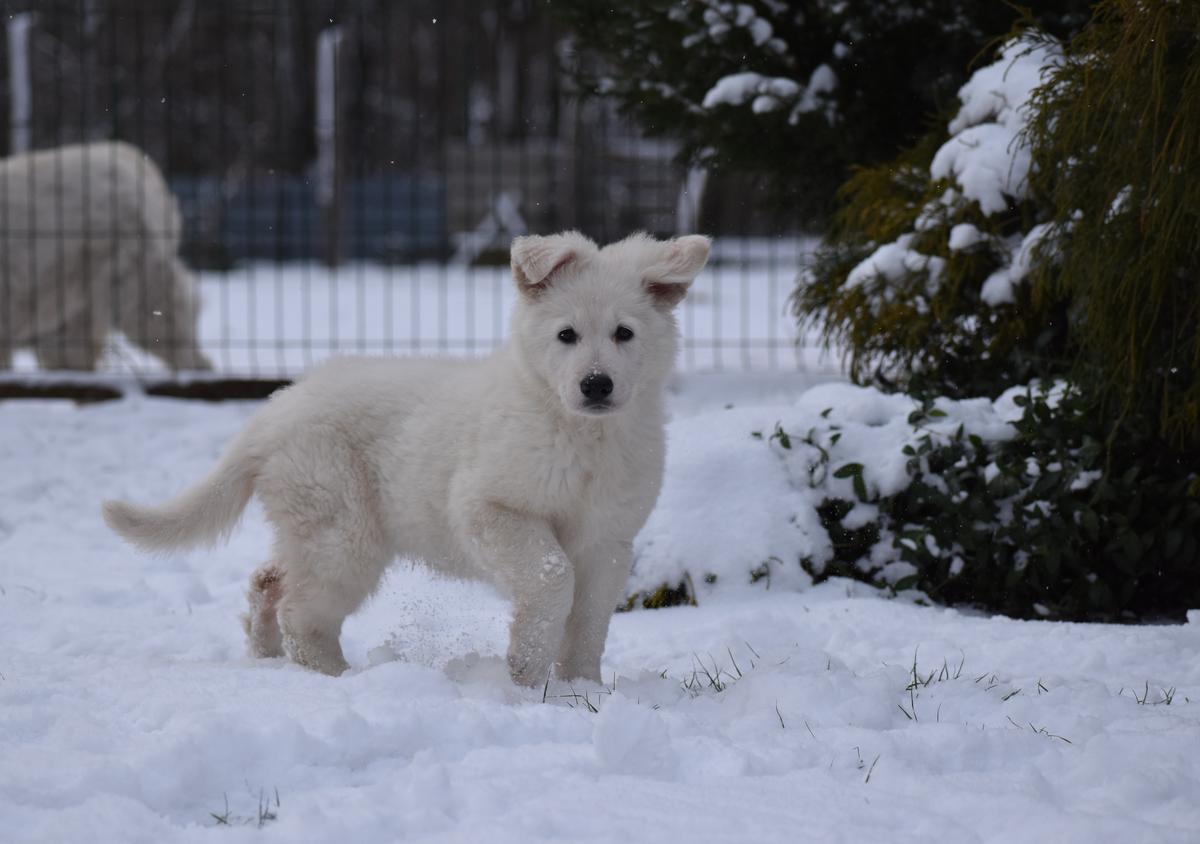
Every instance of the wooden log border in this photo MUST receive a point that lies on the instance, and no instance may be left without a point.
(90, 390)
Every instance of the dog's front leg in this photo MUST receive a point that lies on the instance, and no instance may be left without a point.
(522, 554)
(600, 577)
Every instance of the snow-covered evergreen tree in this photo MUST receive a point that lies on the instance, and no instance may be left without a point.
(799, 91)
(922, 279)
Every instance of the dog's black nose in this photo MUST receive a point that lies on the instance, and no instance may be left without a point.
(596, 387)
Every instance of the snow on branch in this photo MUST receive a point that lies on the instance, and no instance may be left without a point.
(987, 154)
(987, 158)
(722, 18)
(772, 93)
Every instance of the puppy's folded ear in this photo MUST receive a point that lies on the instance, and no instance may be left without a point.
(678, 263)
(536, 261)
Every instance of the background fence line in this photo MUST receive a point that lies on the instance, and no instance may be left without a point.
(350, 173)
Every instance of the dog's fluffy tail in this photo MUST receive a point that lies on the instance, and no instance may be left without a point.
(205, 513)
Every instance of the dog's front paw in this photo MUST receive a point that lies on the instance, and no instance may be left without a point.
(526, 670)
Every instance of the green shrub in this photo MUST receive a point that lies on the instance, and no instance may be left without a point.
(1039, 526)
(1044, 525)
(1096, 252)
(1094, 219)
(1026, 504)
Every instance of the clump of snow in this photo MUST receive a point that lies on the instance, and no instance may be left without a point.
(721, 18)
(999, 92)
(771, 93)
(964, 235)
(1000, 287)
(936, 213)
(1119, 205)
(986, 154)
(737, 88)
(822, 81)
(894, 261)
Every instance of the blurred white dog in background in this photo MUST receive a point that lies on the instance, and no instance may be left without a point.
(89, 236)
(533, 469)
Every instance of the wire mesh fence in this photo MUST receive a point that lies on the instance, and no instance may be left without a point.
(301, 178)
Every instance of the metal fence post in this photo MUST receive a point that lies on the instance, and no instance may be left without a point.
(20, 27)
(691, 199)
(329, 169)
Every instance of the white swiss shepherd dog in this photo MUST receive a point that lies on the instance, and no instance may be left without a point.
(532, 469)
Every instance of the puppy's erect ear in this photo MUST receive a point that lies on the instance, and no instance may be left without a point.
(537, 260)
(678, 264)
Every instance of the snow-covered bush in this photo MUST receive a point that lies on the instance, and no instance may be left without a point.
(1046, 524)
(775, 494)
(745, 487)
(1007, 505)
(1050, 231)
(926, 276)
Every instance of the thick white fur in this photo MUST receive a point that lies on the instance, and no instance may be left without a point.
(88, 241)
(495, 469)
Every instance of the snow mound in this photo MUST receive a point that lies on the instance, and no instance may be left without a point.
(739, 503)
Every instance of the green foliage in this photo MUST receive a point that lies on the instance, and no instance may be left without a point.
(1112, 304)
(1091, 512)
(1041, 526)
(896, 65)
(1046, 526)
(931, 338)
(1116, 155)
(851, 545)
(681, 594)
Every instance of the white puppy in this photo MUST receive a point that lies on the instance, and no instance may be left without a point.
(533, 469)
(88, 241)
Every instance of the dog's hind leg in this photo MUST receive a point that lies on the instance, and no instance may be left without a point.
(325, 581)
(311, 632)
(319, 495)
(261, 623)
(75, 345)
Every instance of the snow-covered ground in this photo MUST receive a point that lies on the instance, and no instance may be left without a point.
(128, 711)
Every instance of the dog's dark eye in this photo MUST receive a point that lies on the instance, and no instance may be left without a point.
(622, 334)
(568, 336)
